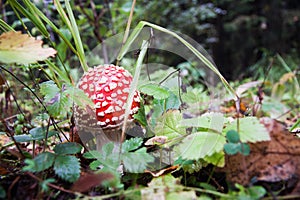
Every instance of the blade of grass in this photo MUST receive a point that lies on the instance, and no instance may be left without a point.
(5, 27)
(76, 36)
(142, 24)
(127, 26)
(50, 23)
(288, 69)
(16, 5)
(133, 87)
(72, 26)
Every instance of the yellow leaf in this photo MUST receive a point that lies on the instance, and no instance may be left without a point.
(19, 48)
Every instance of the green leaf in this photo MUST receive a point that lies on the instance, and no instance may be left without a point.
(232, 148)
(57, 100)
(217, 159)
(19, 48)
(257, 192)
(23, 138)
(250, 130)
(167, 125)
(40, 133)
(171, 102)
(2, 192)
(67, 167)
(214, 121)
(40, 163)
(233, 136)
(155, 90)
(141, 116)
(43, 161)
(245, 149)
(136, 162)
(30, 165)
(67, 148)
(95, 164)
(131, 144)
(199, 145)
(44, 184)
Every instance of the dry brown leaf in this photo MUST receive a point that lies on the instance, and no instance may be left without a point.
(16, 47)
(88, 181)
(271, 161)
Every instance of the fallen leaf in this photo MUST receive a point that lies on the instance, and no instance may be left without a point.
(19, 48)
(88, 180)
(271, 161)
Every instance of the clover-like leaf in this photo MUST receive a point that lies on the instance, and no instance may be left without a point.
(67, 167)
(19, 48)
(233, 136)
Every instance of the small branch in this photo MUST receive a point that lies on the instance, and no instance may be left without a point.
(50, 184)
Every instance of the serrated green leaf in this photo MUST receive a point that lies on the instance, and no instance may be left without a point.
(199, 145)
(57, 100)
(95, 164)
(67, 148)
(107, 150)
(250, 130)
(167, 125)
(136, 162)
(49, 89)
(232, 148)
(67, 167)
(131, 144)
(155, 90)
(233, 136)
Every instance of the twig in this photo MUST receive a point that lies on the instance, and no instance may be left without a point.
(50, 184)
(9, 134)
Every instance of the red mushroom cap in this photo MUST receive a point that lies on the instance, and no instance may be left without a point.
(108, 87)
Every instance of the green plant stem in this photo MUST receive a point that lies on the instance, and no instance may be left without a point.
(127, 27)
(133, 87)
(142, 24)
(76, 35)
(72, 26)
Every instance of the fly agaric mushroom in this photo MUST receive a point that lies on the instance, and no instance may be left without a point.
(108, 87)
